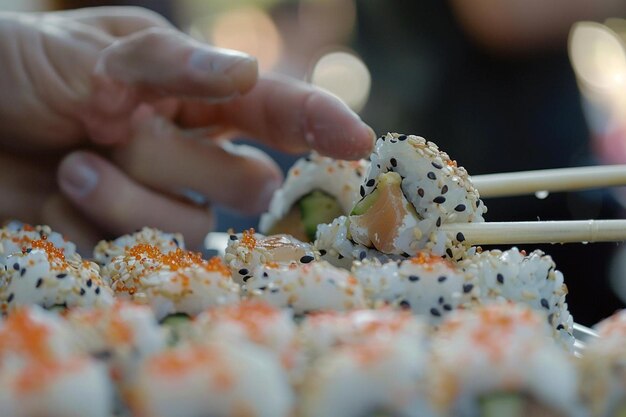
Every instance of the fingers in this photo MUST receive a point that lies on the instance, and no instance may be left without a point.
(117, 21)
(115, 203)
(170, 62)
(62, 216)
(162, 157)
(25, 186)
(290, 116)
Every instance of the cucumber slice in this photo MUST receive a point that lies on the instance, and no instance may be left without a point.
(620, 411)
(317, 207)
(57, 308)
(176, 319)
(502, 404)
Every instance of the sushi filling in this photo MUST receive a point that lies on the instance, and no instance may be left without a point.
(379, 218)
(316, 207)
(514, 405)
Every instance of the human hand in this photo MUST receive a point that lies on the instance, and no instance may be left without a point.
(122, 82)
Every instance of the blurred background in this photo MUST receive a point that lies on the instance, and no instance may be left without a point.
(501, 86)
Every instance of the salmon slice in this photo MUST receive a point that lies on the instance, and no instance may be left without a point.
(379, 218)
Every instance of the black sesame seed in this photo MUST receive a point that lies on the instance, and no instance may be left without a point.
(393, 162)
(61, 276)
(322, 252)
(460, 208)
(442, 278)
(435, 312)
(560, 327)
(11, 296)
(439, 200)
(82, 291)
(500, 278)
(89, 283)
(331, 281)
(97, 290)
(420, 192)
(265, 275)
(263, 288)
(550, 318)
(176, 242)
(447, 307)
(274, 290)
(370, 182)
(437, 165)
(393, 141)
(340, 256)
(362, 191)
(405, 304)
(233, 237)
(460, 237)
(362, 255)
(449, 253)
(39, 282)
(22, 272)
(16, 266)
(438, 223)
(246, 278)
(306, 259)
(243, 271)
(29, 250)
(402, 138)
(431, 175)
(467, 288)
(414, 278)
(478, 203)
(544, 304)
(441, 300)
(444, 189)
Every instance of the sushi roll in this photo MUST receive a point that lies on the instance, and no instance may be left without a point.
(320, 333)
(602, 374)
(499, 360)
(411, 189)
(43, 375)
(174, 283)
(247, 250)
(42, 275)
(15, 236)
(427, 284)
(530, 279)
(253, 322)
(214, 379)
(305, 288)
(380, 377)
(120, 335)
(317, 190)
(335, 246)
(166, 242)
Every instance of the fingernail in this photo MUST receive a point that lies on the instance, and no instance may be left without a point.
(77, 177)
(217, 62)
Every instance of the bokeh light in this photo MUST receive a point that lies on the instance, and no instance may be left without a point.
(248, 29)
(344, 75)
(598, 57)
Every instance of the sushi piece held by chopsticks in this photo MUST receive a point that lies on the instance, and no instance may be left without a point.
(549, 180)
(564, 231)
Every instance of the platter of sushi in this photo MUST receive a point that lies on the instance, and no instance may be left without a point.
(364, 292)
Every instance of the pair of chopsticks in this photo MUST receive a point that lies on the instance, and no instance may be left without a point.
(542, 181)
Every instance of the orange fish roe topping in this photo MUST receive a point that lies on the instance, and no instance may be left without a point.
(176, 363)
(180, 258)
(215, 264)
(37, 376)
(118, 332)
(253, 315)
(23, 334)
(28, 228)
(428, 260)
(368, 354)
(55, 255)
(247, 239)
(142, 250)
(352, 280)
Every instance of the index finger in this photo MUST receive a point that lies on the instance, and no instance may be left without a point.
(288, 115)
